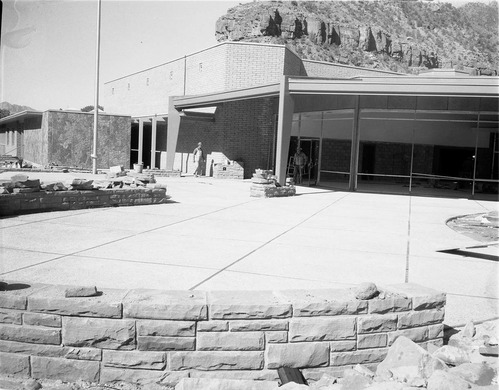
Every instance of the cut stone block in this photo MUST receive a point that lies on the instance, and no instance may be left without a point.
(167, 305)
(423, 298)
(257, 325)
(322, 328)
(155, 343)
(98, 333)
(40, 319)
(145, 378)
(247, 305)
(14, 364)
(50, 350)
(52, 300)
(166, 328)
(376, 323)
(297, 355)
(323, 302)
(11, 317)
(224, 384)
(30, 334)
(64, 369)
(134, 359)
(214, 360)
(230, 341)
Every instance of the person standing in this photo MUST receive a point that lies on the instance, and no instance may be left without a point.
(300, 160)
(199, 157)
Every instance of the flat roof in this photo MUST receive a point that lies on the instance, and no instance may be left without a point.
(21, 116)
(365, 85)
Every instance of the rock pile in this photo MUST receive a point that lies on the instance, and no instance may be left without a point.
(265, 185)
(21, 183)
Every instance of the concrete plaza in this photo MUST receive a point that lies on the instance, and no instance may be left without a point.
(213, 236)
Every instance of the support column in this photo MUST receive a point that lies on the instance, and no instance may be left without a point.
(284, 123)
(140, 158)
(154, 128)
(354, 152)
(172, 135)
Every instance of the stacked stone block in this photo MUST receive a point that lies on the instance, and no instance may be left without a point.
(20, 203)
(233, 170)
(264, 185)
(144, 336)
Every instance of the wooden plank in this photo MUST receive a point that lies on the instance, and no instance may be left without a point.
(288, 374)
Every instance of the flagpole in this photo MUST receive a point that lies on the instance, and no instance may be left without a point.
(96, 104)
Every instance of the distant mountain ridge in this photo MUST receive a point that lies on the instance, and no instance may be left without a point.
(402, 36)
(15, 108)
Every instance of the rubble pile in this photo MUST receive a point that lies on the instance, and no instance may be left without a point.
(265, 185)
(115, 179)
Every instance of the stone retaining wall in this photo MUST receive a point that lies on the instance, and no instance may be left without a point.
(162, 336)
(29, 202)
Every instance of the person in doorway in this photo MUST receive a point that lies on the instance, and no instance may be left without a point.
(199, 158)
(300, 160)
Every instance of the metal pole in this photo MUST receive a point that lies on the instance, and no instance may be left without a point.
(476, 156)
(412, 153)
(96, 104)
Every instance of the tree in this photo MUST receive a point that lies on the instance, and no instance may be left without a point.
(90, 108)
(4, 112)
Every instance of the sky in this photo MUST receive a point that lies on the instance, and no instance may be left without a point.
(48, 47)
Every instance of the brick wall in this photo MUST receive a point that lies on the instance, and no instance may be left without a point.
(149, 335)
(218, 68)
(243, 131)
(253, 64)
(30, 202)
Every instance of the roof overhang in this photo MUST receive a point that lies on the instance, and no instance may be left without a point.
(212, 99)
(399, 86)
(387, 86)
(21, 116)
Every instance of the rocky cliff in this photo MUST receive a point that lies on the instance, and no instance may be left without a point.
(403, 36)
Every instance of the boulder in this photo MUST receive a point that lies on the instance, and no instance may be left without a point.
(325, 382)
(353, 380)
(452, 355)
(81, 184)
(442, 380)
(406, 353)
(53, 186)
(475, 373)
(366, 291)
(102, 184)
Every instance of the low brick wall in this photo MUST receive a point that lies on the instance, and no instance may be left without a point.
(228, 171)
(30, 202)
(141, 336)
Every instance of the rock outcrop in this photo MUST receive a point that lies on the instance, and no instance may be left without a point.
(402, 36)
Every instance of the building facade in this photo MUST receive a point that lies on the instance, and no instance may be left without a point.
(65, 138)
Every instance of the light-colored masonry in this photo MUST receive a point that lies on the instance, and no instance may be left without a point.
(144, 335)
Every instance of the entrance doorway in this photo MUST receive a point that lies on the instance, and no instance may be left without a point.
(311, 147)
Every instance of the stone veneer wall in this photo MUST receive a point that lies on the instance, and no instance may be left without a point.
(162, 336)
(31, 202)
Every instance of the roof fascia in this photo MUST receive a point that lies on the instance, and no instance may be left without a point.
(20, 116)
(471, 87)
(184, 102)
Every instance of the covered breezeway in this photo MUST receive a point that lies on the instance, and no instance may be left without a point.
(405, 135)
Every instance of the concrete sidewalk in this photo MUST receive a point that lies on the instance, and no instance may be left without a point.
(214, 236)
